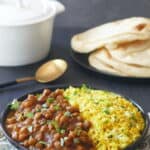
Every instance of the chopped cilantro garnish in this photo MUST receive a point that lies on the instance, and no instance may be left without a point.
(15, 104)
(56, 107)
(133, 117)
(78, 131)
(48, 121)
(38, 96)
(29, 115)
(66, 97)
(76, 141)
(50, 100)
(62, 131)
(106, 111)
(84, 86)
(67, 113)
(38, 110)
(55, 125)
(43, 142)
(106, 121)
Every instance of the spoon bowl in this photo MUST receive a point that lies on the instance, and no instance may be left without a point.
(51, 70)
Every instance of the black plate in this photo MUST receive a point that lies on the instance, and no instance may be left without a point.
(82, 60)
(19, 146)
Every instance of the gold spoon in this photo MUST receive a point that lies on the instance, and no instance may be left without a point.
(47, 72)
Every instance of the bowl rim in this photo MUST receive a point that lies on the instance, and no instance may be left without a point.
(4, 113)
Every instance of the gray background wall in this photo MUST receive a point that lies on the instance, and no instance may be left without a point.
(88, 13)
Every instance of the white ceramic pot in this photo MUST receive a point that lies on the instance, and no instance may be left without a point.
(26, 42)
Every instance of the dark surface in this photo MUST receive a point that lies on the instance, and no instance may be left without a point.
(130, 147)
(89, 13)
(81, 14)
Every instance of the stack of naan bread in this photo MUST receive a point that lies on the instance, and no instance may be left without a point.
(121, 47)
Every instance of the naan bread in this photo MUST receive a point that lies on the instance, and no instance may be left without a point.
(137, 53)
(100, 65)
(126, 30)
(131, 70)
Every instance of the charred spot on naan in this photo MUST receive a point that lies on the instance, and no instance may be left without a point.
(141, 26)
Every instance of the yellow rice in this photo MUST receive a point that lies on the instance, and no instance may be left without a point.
(116, 122)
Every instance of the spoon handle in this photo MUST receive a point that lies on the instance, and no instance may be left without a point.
(19, 80)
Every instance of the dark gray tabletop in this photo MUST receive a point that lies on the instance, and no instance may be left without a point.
(79, 15)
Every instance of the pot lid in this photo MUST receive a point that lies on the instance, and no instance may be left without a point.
(20, 12)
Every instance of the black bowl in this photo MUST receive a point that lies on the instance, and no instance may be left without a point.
(19, 146)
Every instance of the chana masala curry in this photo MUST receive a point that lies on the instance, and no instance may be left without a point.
(76, 118)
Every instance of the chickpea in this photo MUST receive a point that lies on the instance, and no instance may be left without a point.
(27, 109)
(50, 127)
(28, 121)
(49, 148)
(59, 98)
(44, 128)
(38, 115)
(23, 130)
(52, 95)
(36, 127)
(63, 120)
(72, 134)
(22, 137)
(16, 128)
(28, 103)
(68, 141)
(57, 118)
(39, 136)
(48, 115)
(64, 104)
(86, 125)
(79, 124)
(79, 147)
(57, 145)
(72, 109)
(32, 97)
(11, 120)
(51, 109)
(79, 118)
(32, 141)
(42, 99)
(44, 96)
(38, 107)
(46, 92)
(59, 91)
(10, 126)
(56, 136)
(84, 139)
(39, 145)
(53, 131)
(83, 133)
(75, 114)
(25, 143)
